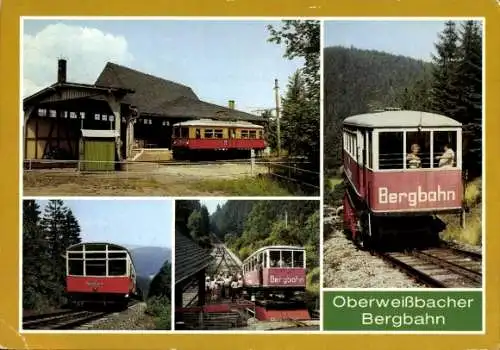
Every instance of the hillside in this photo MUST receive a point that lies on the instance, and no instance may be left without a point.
(357, 81)
(148, 261)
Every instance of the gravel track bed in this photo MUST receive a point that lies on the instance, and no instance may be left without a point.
(134, 318)
(345, 266)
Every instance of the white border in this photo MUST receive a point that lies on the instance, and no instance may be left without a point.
(322, 20)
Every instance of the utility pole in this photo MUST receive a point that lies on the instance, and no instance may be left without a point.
(286, 219)
(278, 131)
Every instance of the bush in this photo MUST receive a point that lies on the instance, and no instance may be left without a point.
(472, 196)
(159, 308)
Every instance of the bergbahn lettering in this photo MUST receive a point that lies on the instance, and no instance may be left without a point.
(416, 197)
(285, 280)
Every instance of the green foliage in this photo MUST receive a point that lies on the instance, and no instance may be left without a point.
(254, 224)
(45, 240)
(159, 307)
(300, 117)
(457, 86)
(161, 284)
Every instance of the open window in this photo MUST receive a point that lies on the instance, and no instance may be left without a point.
(209, 133)
(274, 257)
(286, 257)
(445, 146)
(298, 258)
(391, 150)
(418, 150)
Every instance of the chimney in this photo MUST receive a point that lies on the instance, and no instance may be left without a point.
(231, 104)
(61, 71)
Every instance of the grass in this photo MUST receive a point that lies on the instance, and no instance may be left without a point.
(250, 186)
(472, 233)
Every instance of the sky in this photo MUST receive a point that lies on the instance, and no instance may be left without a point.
(408, 38)
(211, 204)
(219, 60)
(125, 222)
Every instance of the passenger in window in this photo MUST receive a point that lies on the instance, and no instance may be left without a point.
(447, 158)
(414, 161)
(198, 135)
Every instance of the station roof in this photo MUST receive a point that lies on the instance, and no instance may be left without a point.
(156, 96)
(217, 123)
(401, 119)
(86, 90)
(190, 258)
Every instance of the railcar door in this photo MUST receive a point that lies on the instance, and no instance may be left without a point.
(360, 159)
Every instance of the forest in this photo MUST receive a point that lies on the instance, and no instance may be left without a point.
(45, 239)
(359, 81)
(246, 226)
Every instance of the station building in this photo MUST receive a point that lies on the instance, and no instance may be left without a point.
(124, 107)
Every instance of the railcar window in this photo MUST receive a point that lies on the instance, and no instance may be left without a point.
(75, 267)
(286, 258)
(95, 267)
(418, 150)
(117, 267)
(95, 247)
(274, 257)
(218, 134)
(198, 133)
(445, 146)
(391, 150)
(253, 134)
(95, 255)
(298, 258)
(244, 134)
(184, 132)
(209, 133)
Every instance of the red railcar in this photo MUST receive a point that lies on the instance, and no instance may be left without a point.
(209, 136)
(99, 273)
(275, 278)
(400, 168)
(276, 268)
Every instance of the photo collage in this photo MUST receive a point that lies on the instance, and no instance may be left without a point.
(299, 175)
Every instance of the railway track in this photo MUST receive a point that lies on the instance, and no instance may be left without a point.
(62, 320)
(65, 319)
(443, 267)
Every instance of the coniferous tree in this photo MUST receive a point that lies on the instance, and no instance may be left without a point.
(36, 260)
(469, 109)
(445, 91)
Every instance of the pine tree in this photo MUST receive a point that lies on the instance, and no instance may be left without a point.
(54, 223)
(71, 230)
(35, 258)
(445, 92)
(469, 108)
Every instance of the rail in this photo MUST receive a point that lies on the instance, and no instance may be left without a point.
(68, 320)
(438, 268)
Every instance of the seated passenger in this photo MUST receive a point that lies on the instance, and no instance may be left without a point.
(446, 160)
(413, 159)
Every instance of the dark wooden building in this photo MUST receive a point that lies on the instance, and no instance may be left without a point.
(191, 263)
(141, 108)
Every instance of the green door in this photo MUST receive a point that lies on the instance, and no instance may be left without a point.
(99, 155)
